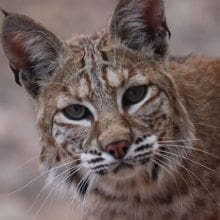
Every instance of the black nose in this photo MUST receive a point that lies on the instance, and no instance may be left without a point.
(118, 149)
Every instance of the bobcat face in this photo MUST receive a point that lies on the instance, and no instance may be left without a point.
(104, 103)
(113, 117)
(109, 116)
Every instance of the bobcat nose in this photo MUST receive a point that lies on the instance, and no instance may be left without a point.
(118, 149)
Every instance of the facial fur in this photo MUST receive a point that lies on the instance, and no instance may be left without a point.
(114, 121)
(100, 84)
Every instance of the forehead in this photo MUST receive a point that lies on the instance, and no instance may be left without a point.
(96, 70)
(98, 67)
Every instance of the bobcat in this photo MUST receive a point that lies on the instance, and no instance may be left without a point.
(131, 132)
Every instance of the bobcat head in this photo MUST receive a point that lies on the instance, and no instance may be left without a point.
(105, 102)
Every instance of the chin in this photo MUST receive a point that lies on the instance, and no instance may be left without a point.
(126, 172)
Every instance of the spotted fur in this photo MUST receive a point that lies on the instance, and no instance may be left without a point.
(171, 168)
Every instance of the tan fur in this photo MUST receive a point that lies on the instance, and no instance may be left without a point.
(179, 120)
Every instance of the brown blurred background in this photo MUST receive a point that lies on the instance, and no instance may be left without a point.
(195, 29)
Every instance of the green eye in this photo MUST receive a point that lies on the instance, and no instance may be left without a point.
(76, 112)
(134, 95)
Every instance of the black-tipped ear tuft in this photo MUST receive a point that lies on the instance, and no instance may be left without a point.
(4, 12)
(16, 75)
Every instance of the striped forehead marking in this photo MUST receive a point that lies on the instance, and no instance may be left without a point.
(93, 66)
(99, 74)
(98, 69)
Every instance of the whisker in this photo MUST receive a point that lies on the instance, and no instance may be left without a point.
(181, 156)
(208, 125)
(198, 179)
(83, 183)
(52, 192)
(48, 184)
(192, 148)
(35, 179)
(30, 160)
(176, 141)
(181, 176)
(80, 187)
(73, 198)
(174, 180)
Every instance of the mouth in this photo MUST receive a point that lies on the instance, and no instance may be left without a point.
(122, 166)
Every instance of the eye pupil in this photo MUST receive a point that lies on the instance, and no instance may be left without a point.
(134, 95)
(76, 112)
(77, 109)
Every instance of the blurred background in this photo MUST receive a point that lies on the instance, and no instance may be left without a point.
(195, 29)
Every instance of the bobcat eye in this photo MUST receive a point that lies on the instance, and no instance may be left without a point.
(76, 112)
(134, 95)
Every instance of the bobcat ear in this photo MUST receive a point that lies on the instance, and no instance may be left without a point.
(5, 13)
(34, 53)
(141, 25)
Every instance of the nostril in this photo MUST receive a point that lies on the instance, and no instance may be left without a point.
(125, 149)
(112, 152)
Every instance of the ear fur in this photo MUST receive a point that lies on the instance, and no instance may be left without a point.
(141, 26)
(34, 52)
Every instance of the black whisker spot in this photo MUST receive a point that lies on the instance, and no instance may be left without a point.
(139, 140)
(143, 147)
(142, 155)
(100, 167)
(96, 160)
(95, 152)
